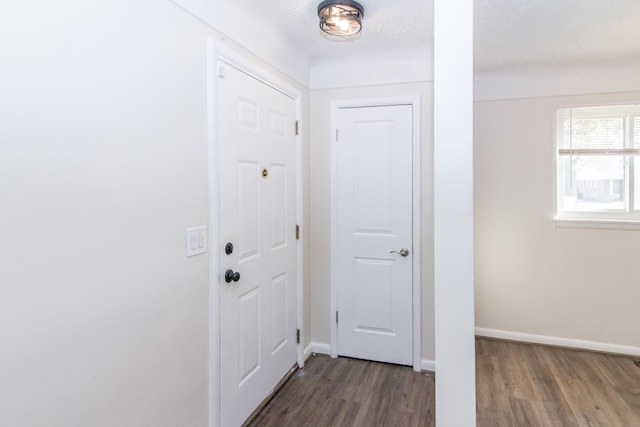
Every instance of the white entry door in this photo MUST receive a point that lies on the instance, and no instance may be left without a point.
(258, 242)
(374, 233)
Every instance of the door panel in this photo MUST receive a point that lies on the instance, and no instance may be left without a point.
(257, 215)
(278, 312)
(278, 176)
(374, 217)
(249, 327)
(372, 187)
(248, 201)
(374, 296)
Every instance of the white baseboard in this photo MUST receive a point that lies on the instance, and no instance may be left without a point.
(321, 348)
(428, 365)
(307, 351)
(557, 341)
(316, 347)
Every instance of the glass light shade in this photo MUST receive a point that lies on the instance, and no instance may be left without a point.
(340, 18)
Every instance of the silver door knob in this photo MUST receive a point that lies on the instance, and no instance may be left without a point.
(403, 252)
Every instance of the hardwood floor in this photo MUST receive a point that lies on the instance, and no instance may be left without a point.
(351, 392)
(531, 385)
(517, 385)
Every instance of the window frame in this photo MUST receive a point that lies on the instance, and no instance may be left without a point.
(629, 215)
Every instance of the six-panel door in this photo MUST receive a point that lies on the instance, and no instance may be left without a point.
(257, 215)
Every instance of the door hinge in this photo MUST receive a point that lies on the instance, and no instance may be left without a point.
(298, 336)
(297, 232)
(297, 128)
(220, 70)
(336, 316)
(336, 135)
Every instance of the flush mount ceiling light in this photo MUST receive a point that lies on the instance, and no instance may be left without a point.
(340, 18)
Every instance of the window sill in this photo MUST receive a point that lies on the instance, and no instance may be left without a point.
(604, 224)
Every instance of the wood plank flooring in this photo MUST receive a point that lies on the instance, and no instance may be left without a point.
(531, 385)
(351, 392)
(517, 385)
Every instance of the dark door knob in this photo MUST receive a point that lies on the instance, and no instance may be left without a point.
(229, 276)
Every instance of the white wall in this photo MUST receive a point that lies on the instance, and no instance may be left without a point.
(237, 21)
(453, 213)
(391, 68)
(554, 80)
(320, 202)
(533, 278)
(103, 165)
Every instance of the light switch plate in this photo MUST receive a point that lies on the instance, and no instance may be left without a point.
(196, 241)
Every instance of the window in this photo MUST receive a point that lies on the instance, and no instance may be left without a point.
(598, 163)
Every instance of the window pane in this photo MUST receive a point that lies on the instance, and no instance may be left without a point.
(594, 182)
(603, 132)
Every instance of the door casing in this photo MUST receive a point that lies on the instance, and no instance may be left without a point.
(216, 51)
(414, 101)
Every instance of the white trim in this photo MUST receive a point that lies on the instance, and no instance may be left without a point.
(213, 224)
(248, 67)
(428, 365)
(559, 342)
(308, 350)
(322, 348)
(596, 224)
(417, 236)
(333, 299)
(319, 348)
(414, 101)
(216, 52)
(300, 241)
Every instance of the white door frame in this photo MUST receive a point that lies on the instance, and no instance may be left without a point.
(217, 51)
(414, 101)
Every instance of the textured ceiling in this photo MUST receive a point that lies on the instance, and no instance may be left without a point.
(508, 33)
(515, 33)
(390, 27)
